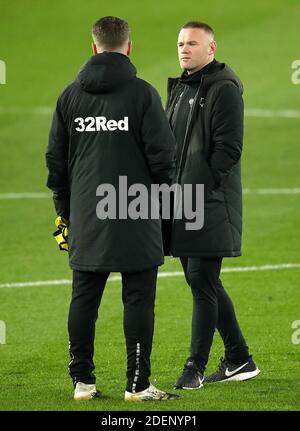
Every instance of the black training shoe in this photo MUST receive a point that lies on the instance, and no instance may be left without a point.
(233, 372)
(191, 378)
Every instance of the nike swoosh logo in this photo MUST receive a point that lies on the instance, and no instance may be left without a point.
(200, 380)
(230, 373)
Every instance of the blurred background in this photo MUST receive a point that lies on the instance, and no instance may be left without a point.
(43, 44)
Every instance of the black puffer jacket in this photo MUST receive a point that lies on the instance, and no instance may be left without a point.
(210, 155)
(83, 154)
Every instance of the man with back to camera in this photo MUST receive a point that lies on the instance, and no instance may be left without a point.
(205, 110)
(109, 124)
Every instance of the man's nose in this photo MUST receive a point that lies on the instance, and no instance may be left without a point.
(184, 49)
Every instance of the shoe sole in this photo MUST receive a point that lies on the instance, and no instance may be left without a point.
(83, 397)
(191, 389)
(239, 377)
(133, 398)
(137, 399)
(87, 397)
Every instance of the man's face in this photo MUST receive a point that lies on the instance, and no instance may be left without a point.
(196, 48)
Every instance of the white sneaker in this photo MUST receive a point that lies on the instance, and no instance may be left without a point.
(84, 391)
(150, 394)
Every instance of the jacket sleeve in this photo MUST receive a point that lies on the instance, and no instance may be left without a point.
(57, 164)
(226, 131)
(158, 140)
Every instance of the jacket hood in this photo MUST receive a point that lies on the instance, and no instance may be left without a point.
(212, 73)
(222, 72)
(105, 72)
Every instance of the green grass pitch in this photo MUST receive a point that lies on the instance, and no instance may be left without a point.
(43, 44)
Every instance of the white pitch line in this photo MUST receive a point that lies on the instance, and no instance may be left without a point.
(37, 110)
(272, 113)
(246, 191)
(160, 275)
(251, 112)
(272, 191)
(25, 195)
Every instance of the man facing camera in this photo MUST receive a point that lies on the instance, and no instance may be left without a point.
(205, 110)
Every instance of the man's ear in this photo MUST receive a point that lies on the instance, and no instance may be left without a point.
(213, 47)
(129, 48)
(94, 48)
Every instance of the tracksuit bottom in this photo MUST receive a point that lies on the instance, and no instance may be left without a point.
(138, 295)
(212, 308)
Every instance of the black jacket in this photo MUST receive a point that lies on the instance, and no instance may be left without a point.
(81, 155)
(210, 155)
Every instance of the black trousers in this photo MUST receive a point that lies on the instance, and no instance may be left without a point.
(138, 295)
(212, 308)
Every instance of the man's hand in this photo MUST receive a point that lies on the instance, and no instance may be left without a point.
(61, 235)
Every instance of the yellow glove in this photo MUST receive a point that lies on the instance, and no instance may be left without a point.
(61, 235)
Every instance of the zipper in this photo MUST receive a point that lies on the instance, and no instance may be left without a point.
(173, 103)
(188, 130)
(177, 104)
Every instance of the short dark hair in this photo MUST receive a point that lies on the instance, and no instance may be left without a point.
(199, 24)
(110, 32)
